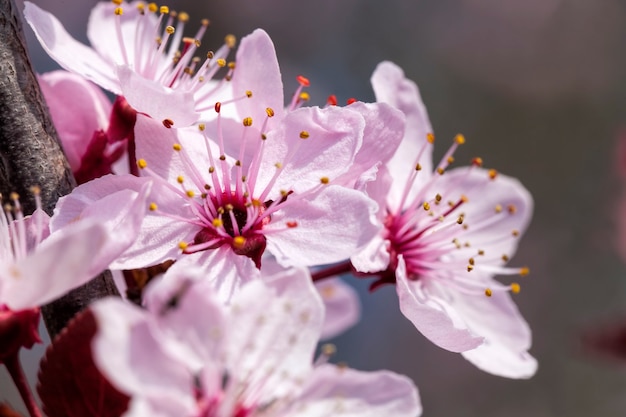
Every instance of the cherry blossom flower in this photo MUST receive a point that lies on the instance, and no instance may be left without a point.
(138, 51)
(252, 358)
(446, 235)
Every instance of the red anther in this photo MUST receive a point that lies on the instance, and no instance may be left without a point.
(303, 81)
(218, 107)
(292, 224)
(477, 162)
(332, 100)
(168, 123)
(351, 100)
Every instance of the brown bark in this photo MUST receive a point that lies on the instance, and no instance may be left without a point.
(30, 154)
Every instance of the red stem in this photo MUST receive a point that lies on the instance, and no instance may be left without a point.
(19, 379)
(340, 268)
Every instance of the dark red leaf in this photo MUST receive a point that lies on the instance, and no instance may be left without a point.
(6, 411)
(69, 383)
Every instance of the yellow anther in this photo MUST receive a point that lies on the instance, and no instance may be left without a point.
(438, 198)
(464, 198)
(304, 134)
(505, 258)
(205, 22)
(515, 232)
(211, 170)
(493, 174)
(440, 171)
(221, 62)
(418, 167)
(304, 96)
(263, 136)
(498, 208)
(229, 207)
(472, 261)
(515, 288)
(278, 165)
(119, 11)
(222, 157)
(257, 203)
(511, 208)
(430, 138)
(190, 193)
(248, 93)
(153, 7)
(329, 349)
(450, 159)
(426, 205)
(230, 41)
(141, 163)
(183, 245)
(324, 180)
(470, 268)
(210, 55)
(218, 223)
(117, 2)
(35, 190)
(183, 17)
(14, 196)
(459, 139)
(164, 10)
(488, 292)
(201, 127)
(481, 252)
(460, 220)
(180, 179)
(231, 65)
(141, 7)
(524, 271)
(152, 207)
(177, 147)
(170, 30)
(239, 241)
(247, 121)
(269, 111)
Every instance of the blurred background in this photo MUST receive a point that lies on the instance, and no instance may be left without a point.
(538, 87)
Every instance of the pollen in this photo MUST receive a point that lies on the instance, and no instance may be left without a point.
(231, 65)
(201, 127)
(304, 96)
(190, 193)
(170, 30)
(183, 245)
(153, 7)
(304, 134)
(303, 81)
(450, 159)
(211, 170)
(430, 138)
(168, 123)
(183, 17)
(119, 11)
(221, 62)
(470, 268)
(324, 180)
(440, 171)
(418, 167)
(471, 261)
(426, 206)
(524, 271)
(247, 121)
(141, 163)
(515, 288)
(217, 222)
(493, 174)
(278, 165)
(230, 41)
(488, 292)
(498, 208)
(180, 179)
(269, 111)
(460, 220)
(239, 241)
(459, 139)
(478, 162)
(248, 93)
(177, 147)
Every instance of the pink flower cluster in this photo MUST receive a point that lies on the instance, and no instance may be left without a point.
(254, 202)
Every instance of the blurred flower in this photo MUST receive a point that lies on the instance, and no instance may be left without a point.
(249, 359)
(444, 239)
(137, 53)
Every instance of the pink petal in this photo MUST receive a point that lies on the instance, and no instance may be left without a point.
(69, 53)
(331, 390)
(334, 136)
(432, 316)
(343, 308)
(499, 360)
(128, 350)
(374, 257)
(258, 71)
(159, 102)
(486, 229)
(274, 336)
(330, 227)
(392, 87)
(58, 265)
(78, 109)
